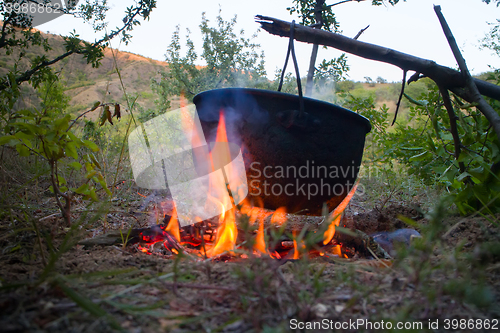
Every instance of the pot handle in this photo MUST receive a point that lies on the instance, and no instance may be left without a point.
(291, 49)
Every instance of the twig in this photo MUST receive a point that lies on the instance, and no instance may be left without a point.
(400, 97)
(37, 230)
(473, 93)
(84, 113)
(49, 217)
(121, 250)
(361, 32)
(196, 286)
(453, 125)
(344, 1)
(318, 8)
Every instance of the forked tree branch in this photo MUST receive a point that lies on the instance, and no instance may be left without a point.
(443, 76)
(461, 83)
(471, 87)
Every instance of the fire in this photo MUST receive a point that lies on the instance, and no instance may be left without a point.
(260, 242)
(279, 216)
(226, 236)
(336, 215)
(336, 250)
(222, 180)
(220, 158)
(256, 214)
(295, 247)
(173, 227)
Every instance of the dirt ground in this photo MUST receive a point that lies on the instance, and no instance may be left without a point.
(113, 288)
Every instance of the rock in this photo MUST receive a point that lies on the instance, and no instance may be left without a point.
(388, 240)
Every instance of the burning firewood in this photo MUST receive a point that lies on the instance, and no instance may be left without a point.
(352, 242)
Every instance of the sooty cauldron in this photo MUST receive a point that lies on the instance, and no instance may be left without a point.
(294, 159)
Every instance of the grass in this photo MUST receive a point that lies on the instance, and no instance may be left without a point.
(113, 289)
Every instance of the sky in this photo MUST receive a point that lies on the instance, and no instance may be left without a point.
(410, 27)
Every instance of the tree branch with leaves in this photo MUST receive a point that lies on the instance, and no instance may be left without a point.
(231, 60)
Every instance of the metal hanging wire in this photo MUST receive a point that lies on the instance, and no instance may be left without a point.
(291, 50)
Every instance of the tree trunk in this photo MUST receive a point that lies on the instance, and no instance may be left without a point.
(318, 9)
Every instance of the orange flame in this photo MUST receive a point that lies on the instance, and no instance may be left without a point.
(279, 216)
(226, 236)
(336, 215)
(173, 227)
(260, 243)
(336, 250)
(295, 247)
(221, 158)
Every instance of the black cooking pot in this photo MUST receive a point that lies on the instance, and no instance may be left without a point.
(294, 159)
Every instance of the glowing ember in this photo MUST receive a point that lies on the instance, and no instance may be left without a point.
(213, 243)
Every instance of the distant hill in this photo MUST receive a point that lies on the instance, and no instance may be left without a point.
(85, 84)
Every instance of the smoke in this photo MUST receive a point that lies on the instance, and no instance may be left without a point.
(325, 90)
(170, 152)
(238, 107)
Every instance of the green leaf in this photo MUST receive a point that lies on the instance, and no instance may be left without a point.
(103, 118)
(93, 195)
(71, 150)
(83, 189)
(411, 148)
(75, 139)
(96, 105)
(22, 150)
(420, 157)
(33, 129)
(464, 156)
(419, 103)
(94, 160)
(61, 124)
(91, 145)
(90, 174)
(464, 195)
(478, 172)
(408, 221)
(75, 165)
(51, 136)
(104, 185)
(24, 136)
(61, 179)
(108, 192)
(463, 175)
(6, 139)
